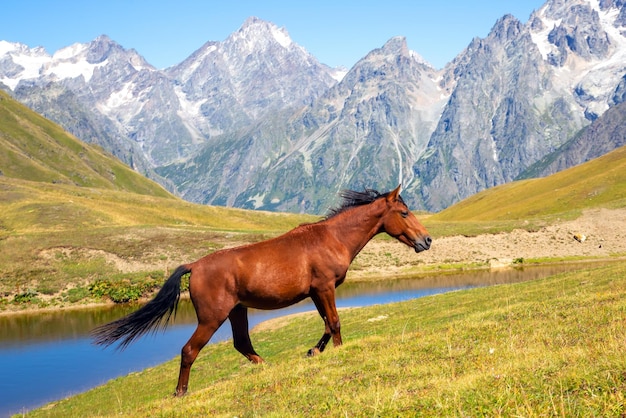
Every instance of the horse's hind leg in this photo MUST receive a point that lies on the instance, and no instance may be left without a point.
(325, 304)
(200, 337)
(241, 338)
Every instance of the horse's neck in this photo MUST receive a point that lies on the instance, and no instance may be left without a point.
(355, 227)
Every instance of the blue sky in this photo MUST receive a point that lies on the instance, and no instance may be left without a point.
(338, 33)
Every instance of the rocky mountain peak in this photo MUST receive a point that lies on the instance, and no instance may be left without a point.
(258, 33)
(506, 28)
(569, 30)
(100, 49)
(256, 121)
(395, 46)
(258, 37)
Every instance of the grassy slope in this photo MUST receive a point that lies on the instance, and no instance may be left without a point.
(33, 148)
(32, 207)
(52, 181)
(598, 183)
(551, 347)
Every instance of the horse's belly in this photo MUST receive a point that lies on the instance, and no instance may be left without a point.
(268, 303)
(264, 295)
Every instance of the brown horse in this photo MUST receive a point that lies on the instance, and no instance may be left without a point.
(309, 261)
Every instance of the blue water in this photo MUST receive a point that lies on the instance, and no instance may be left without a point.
(49, 357)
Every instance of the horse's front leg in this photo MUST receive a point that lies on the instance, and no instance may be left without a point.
(325, 304)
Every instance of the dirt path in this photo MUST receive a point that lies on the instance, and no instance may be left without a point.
(604, 233)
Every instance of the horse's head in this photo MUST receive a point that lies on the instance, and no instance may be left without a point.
(400, 223)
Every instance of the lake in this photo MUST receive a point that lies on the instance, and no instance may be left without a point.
(49, 356)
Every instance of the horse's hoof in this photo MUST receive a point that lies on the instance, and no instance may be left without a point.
(313, 352)
(178, 394)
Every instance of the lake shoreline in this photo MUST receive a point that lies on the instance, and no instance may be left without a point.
(354, 278)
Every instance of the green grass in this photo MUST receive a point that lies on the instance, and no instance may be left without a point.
(54, 237)
(597, 183)
(551, 347)
(36, 149)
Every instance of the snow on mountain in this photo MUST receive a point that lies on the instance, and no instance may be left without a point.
(19, 62)
(586, 42)
(70, 62)
(255, 71)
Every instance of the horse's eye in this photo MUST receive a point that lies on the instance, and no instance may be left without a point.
(405, 213)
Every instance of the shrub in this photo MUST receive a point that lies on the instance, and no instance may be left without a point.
(122, 291)
(76, 294)
(99, 288)
(46, 289)
(30, 296)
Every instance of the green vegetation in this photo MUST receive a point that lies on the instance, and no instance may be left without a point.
(551, 347)
(597, 183)
(35, 149)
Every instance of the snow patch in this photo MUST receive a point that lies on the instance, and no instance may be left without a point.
(188, 107)
(338, 73)
(418, 58)
(6, 47)
(120, 97)
(494, 149)
(72, 69)
(257, 200)
(189, 71)
(396, 143)
(31, 60)
(540, 38)
(188, 112)
(69, 52)
(281, 36)
(307, 164)
(122, 105)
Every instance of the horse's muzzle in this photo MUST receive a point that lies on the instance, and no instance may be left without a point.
(422, 244)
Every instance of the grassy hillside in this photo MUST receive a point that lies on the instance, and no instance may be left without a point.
(37, 207)
(597, 183)
(36, 149)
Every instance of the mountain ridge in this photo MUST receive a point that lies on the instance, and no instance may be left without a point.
(255, 121)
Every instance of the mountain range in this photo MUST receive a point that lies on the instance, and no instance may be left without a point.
(257, 122)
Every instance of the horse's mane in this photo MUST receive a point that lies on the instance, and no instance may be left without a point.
(353, 198)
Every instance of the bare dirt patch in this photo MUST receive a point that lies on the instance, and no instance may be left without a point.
(604, 232)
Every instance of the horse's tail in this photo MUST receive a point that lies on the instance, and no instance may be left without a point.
(148, 317)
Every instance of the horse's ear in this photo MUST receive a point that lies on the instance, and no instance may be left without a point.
(394, 194)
